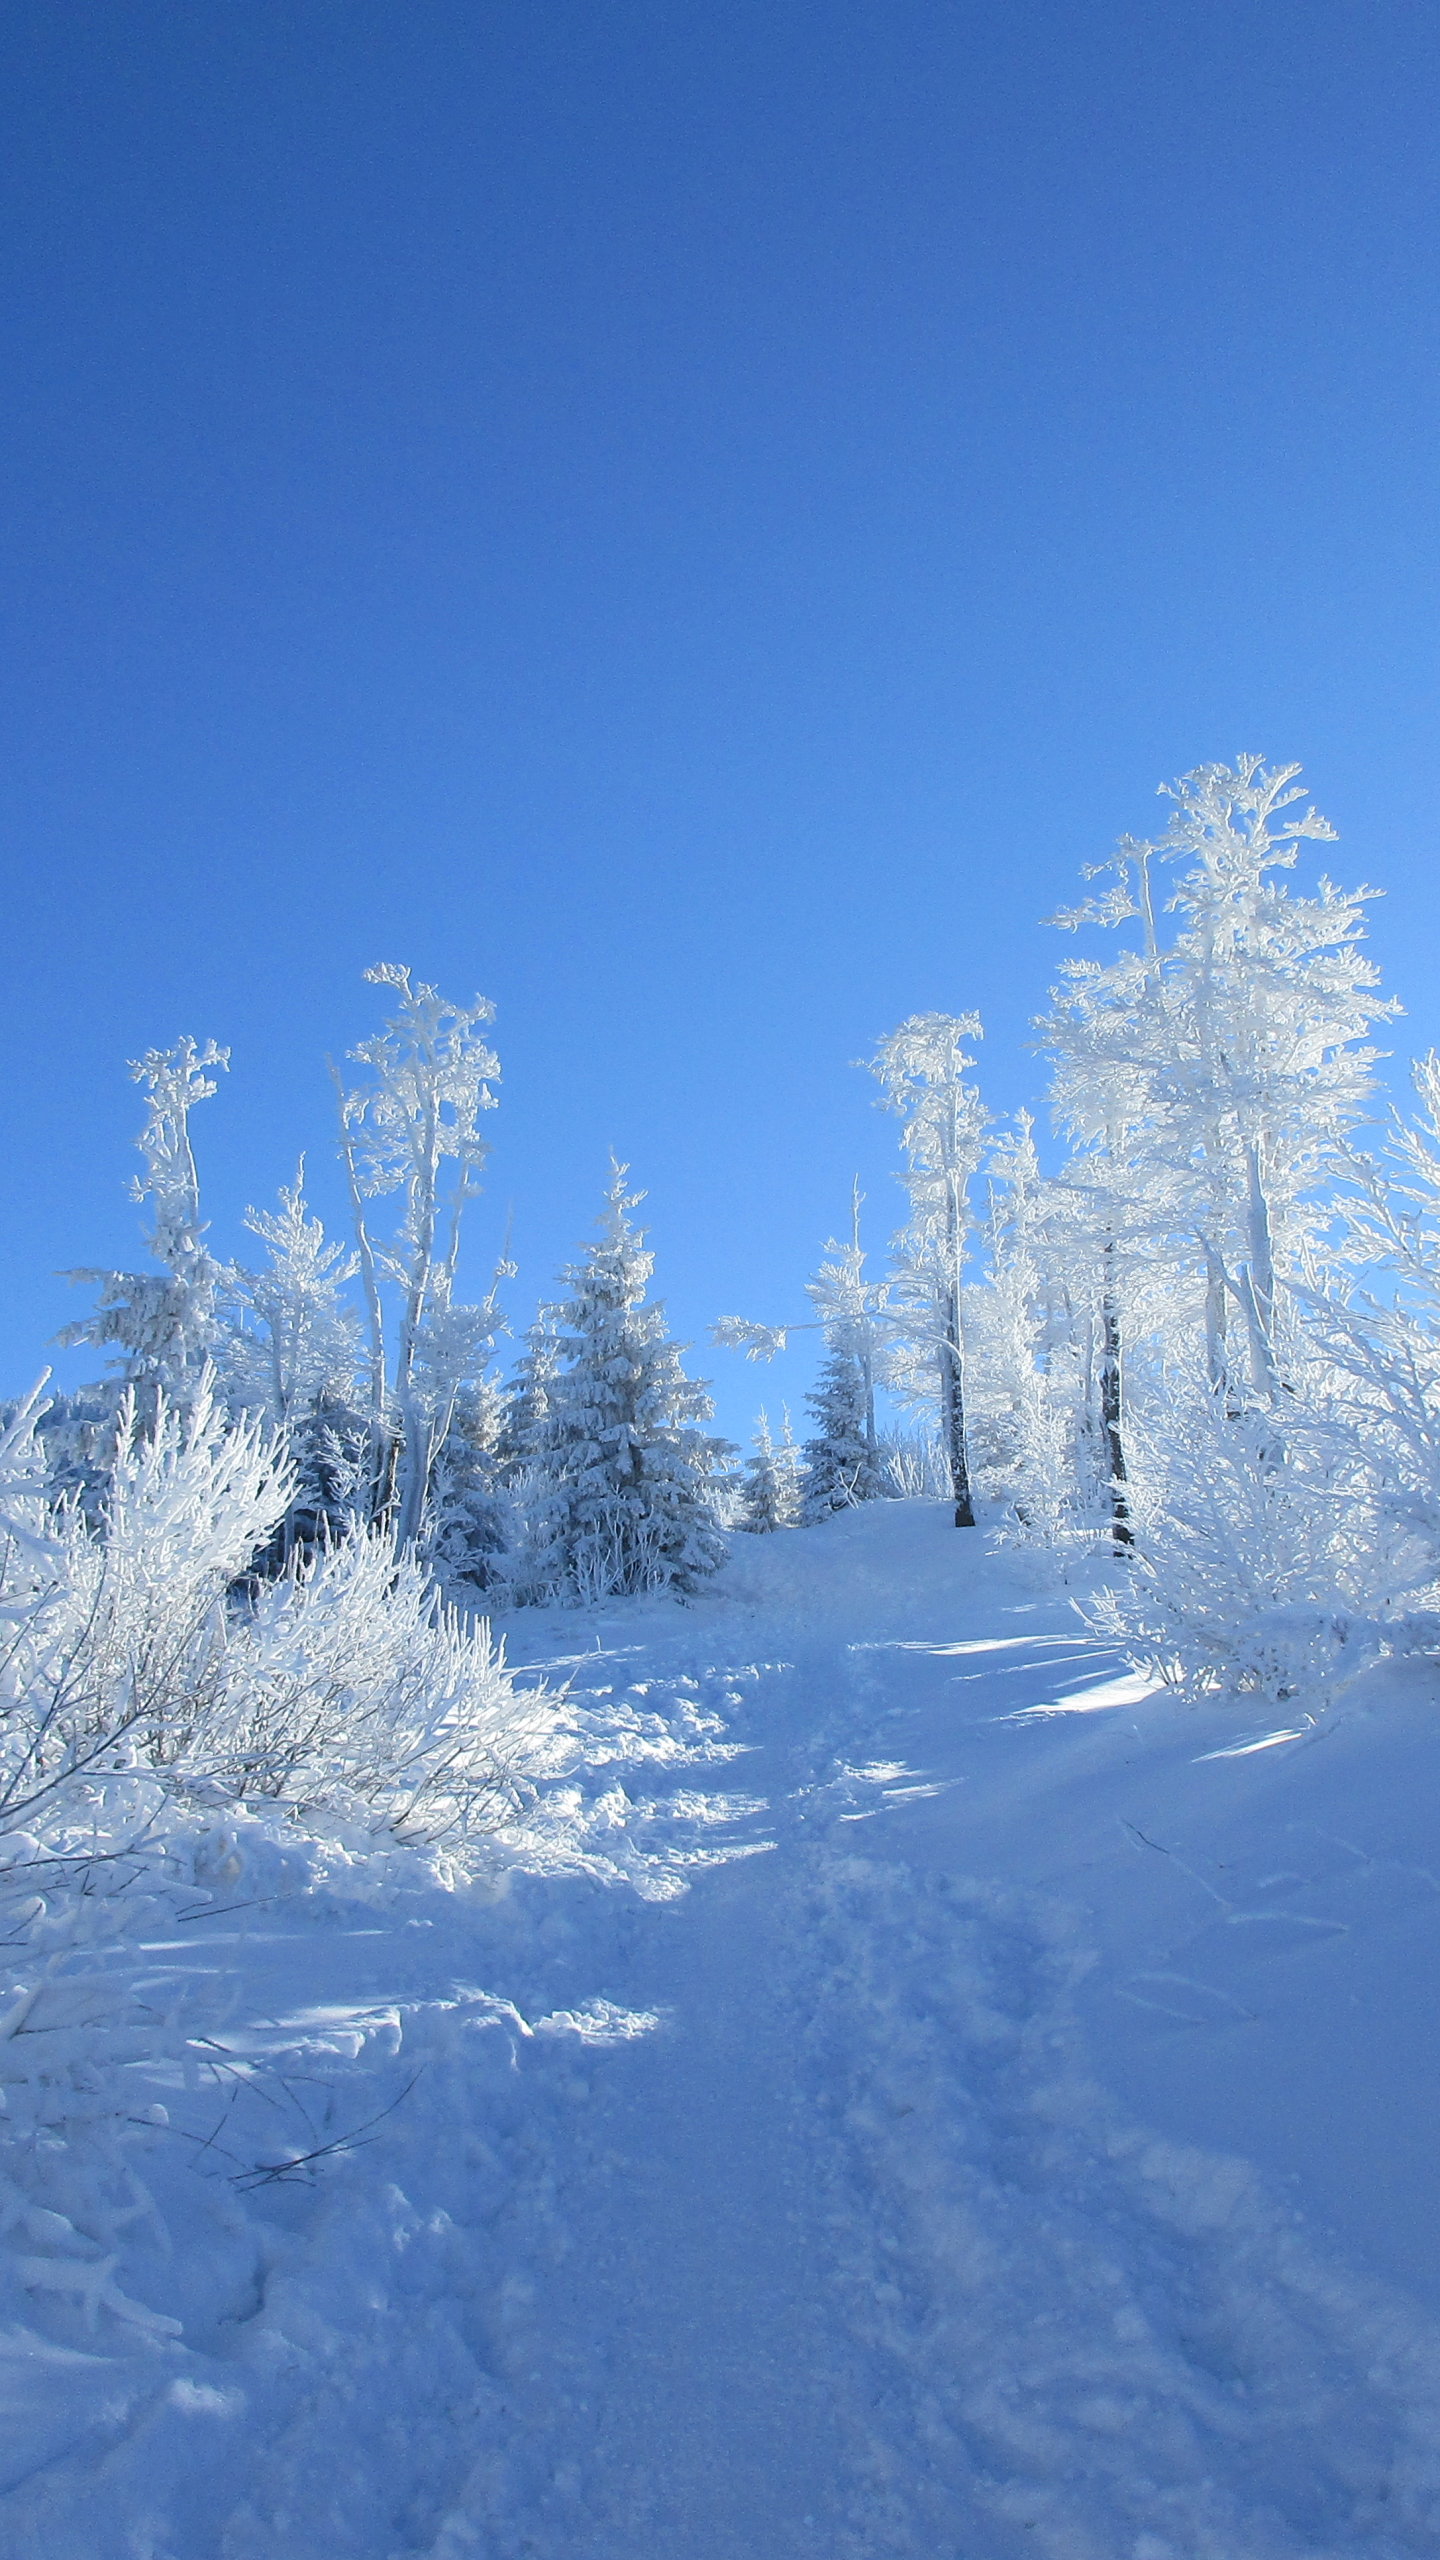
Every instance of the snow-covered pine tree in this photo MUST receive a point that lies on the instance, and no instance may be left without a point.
(842, 1468)
(526, 1401)
(470, 1524)
(788, 1467)
(771, 1495)
(854, 1314)
(618, 1473)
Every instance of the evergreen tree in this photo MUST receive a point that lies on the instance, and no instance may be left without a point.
(470, 1520)
(526, 1403)
(841, 1467)
(619, 1475)
(854, 1314)
(771, 1498)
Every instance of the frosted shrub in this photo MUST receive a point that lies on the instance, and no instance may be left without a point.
(118, 1638)
(151, 1690)
(345, 1683)
(914, 1467)
(1262, 1565)
(353, 1687)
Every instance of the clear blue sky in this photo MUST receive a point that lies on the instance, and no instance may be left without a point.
(694, 520)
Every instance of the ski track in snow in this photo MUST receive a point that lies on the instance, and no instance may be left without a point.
(790, 2216)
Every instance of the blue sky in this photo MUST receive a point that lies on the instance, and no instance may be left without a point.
(695, 521)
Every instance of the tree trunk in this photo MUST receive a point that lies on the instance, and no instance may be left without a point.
(1121, 1533)
(952, 1419)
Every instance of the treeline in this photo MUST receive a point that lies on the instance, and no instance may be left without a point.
(586, 1473)
(583, 1474)
(1202, 1345)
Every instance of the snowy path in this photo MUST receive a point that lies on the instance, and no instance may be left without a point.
(820, 2215)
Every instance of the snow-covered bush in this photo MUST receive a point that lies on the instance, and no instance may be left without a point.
(1264, 1564)
(346, 1682)
(119, 1636)
(914, 1467)
(158, 1700)
(351, 1686)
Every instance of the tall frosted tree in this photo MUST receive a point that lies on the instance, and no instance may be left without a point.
(1027, 1362)
(413, 1130)
(617, 1471)
(1210, 1083)
(163, 1324)
(922, 1068)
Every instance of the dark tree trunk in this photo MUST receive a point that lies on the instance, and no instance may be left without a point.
(1121, 1534)
(952, 1424)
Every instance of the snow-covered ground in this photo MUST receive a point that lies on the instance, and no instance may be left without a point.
(998, 2116)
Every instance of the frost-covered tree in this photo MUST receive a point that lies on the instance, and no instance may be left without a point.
(842, 1465)
(163, 1324)
(293, 1341)
(1375, 1318)
(526, 1401)
(921, 1068)
(471, 1517)
(853, 1313)
(1028, 1406)
(771, 1497)
(1209, 1083)
(413, 1130)
(617, 1473)
(855, 1316)
(291, 1351)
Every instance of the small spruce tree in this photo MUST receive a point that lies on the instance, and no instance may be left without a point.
(841, 1467)
(616, 1475)
(771, 1497)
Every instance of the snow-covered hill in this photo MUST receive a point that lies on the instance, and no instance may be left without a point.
(997, 2116)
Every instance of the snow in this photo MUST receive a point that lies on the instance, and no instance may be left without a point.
(992, 2112)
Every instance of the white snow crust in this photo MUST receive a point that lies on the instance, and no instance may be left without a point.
(962, 2105)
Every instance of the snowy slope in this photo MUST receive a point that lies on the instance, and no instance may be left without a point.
(1016, 2138)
